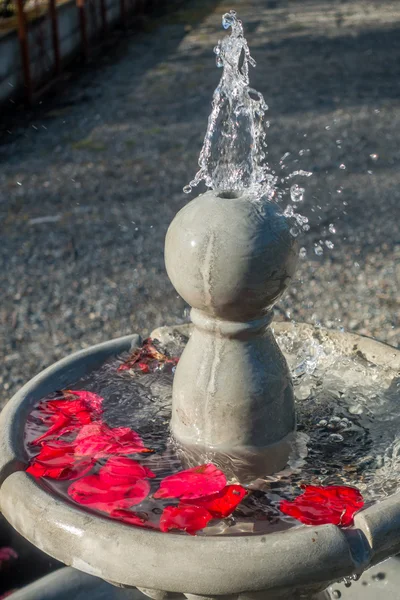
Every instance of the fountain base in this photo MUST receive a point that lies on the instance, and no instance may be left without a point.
(301, 560)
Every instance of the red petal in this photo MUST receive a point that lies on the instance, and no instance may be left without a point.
(147, 359)
(223, 504)
(93, 401)
(184, 517)
(98, 440)
(58, 461)
(66, 407)
(320, 505)
(119, 470)
(95, 493)
(192, 483)
(131, 518)
(7, 553)
(78, 469)
(61, 423)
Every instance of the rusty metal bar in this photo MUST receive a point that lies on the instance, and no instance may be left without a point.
(24, 49)
(103, 11)
(83, 27)
(55, 36)
(123, 14)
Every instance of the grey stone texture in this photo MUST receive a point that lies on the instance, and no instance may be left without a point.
(231, 259)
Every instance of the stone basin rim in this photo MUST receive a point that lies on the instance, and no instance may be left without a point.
(248, 562)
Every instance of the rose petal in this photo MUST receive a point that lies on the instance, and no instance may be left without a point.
(119, 470)
(93, 401)
(67, 407)
(147, 359)
(98, 440)
(222, 504)
(184, 517)
(66, 414)
(61, 423)
(320, 505)
(7, 553)
(131, 518)
(93, 492)
(192, 483)
(57, 460)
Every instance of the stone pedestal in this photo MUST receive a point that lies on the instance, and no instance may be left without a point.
(231, 259)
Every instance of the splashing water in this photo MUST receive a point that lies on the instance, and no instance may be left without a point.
(233, 157)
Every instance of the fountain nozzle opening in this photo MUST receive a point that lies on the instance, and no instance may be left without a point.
(229, 194)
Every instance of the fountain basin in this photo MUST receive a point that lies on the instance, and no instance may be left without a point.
(303, 559)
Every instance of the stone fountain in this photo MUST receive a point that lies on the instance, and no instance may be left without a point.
(230, 254)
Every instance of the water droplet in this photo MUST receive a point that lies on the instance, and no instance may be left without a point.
(336, 594)
(329, 244)
(342, 166)
(318, 250)
(374, 156)
(296, 193)
(303, 252)
(294, 231)
(233, 156)
(332, 228)
(187, 189)
(288, 212)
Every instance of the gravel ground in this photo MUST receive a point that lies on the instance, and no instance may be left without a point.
(90, 180)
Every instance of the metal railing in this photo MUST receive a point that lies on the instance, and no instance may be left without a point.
(37, 23)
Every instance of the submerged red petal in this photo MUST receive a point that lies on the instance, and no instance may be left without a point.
(98, 440)
(58, 461)
(336, 504)
(131, 518)
(97, 494)
(120, 470)
(192, 483)
(61, 423)
(92, 401)
(222, 504)
(68, 414)
(185, 517)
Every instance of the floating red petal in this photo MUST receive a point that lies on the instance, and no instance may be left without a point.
(147, 359)
(66, 415)
(192, 483)
(119, 471)
(184, 517)
(222, 504)
(98, 440)
(97, 494)
(320, 505)
(58, 461)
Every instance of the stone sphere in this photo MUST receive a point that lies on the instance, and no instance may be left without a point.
(229, 256)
